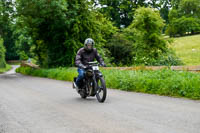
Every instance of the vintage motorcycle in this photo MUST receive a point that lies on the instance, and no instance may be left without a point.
(93, 83)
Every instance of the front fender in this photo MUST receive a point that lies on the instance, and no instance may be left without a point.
(99, 74)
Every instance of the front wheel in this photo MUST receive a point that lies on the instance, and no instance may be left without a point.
(101, 90)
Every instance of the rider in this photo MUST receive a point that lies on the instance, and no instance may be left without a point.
(86, 54)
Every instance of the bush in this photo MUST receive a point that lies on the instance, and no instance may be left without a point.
(165, 59)
(23, 56)
(121, 50)
(149, 46)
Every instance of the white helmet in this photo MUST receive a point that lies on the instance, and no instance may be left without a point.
(89, 41)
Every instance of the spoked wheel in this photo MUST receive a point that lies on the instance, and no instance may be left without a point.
(101, 90)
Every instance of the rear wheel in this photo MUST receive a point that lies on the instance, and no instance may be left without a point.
(101, 90)
(83, 94)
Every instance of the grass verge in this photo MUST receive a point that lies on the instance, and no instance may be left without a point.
(161, 82)
(8, 67)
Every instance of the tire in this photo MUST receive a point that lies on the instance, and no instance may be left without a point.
(83, 94)
(102, 90)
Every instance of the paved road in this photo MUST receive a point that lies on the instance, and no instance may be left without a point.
(39, 105)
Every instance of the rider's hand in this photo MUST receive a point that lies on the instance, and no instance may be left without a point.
(103, 64)
(82, 66)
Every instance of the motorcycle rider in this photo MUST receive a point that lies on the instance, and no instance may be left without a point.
(84, 55)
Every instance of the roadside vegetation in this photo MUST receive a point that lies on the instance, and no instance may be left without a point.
(161, 82)
(126, 33)
(2, 70)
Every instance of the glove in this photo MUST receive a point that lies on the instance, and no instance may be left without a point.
(103, 64)
(82, 66)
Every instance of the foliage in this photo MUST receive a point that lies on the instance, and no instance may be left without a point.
(23, 56)
(190, 8)
(23, 43)
(58, 28)
(2, 55)
(44, 21)
(8, 67)
(183, 25)
(6, 30)
(166, 59)
(120, 12)
(163, 6)
(146, 33)
(120, 50)
(142, 42)
(184, 18)
(54, 73)
(162, 82)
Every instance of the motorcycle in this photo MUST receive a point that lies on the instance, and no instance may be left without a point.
(93, 83)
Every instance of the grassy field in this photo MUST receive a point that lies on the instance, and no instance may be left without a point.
(188, 49)
(2, 70)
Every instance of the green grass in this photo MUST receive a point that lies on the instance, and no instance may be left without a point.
(188, 49)
(66, 74)
(161, 82)
(2, 70)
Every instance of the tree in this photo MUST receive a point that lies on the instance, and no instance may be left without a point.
(184, 18)
(190, 8)
(163, 6)
(175, 4)
(2, 54)
(146, 32)
(121, 50)
(23, 43)
(142, 42)
(183, 25)
(58, 28)
(6, 30)
(120, 12)
(44, 21)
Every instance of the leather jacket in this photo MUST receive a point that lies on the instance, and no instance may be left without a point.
(83, 57)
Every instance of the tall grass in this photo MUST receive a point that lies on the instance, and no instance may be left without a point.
(66, 74)
(162, 82)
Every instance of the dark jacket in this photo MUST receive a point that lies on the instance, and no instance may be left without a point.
(83, 57)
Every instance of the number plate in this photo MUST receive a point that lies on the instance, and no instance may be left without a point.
(95, 68)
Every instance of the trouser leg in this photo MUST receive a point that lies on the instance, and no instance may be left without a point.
(80, 77)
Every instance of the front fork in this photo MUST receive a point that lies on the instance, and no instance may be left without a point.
(91, 83)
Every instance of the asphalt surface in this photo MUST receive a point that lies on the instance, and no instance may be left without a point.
(39, 105)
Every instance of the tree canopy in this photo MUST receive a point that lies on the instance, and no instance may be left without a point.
(59, 28)
(126, 32)
(184, 18)
(6, 30)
